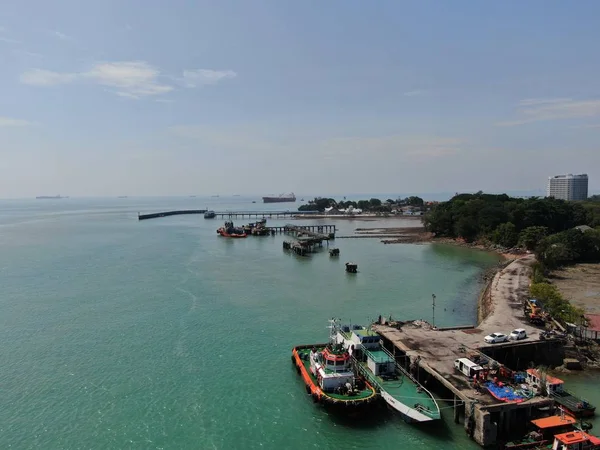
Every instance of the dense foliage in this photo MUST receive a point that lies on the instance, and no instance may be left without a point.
(568, 247)
(544, 225)
(554, 303)
(371, 205)
(478, 215)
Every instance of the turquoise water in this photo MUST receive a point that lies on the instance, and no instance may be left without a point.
(161, 335)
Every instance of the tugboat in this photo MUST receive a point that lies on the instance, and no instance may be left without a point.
(329, 378)
(228, 230)
(398, 388)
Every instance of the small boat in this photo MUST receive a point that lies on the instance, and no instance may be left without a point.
(329, 379)
(576, 440)
(555, 388)
(334, 252)
(210, 215)
(351, 267)
(397, 387)
(228, 230)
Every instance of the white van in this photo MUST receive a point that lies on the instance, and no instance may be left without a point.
(467, 367)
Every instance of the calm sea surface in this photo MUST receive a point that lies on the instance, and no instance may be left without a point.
(161, 335)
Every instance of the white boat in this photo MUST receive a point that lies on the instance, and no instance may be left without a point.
(396, 386)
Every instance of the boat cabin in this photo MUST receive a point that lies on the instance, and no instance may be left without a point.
(380, 362)
(467, 367)
(550, 426)
(536, 380)
(358, 336)
(332, 369)
(575, 440)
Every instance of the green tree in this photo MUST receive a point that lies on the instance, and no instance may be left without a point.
(318, 204)
(466, 229)
(364, 204)
(375, 202)
(505, 235)
(530, 237)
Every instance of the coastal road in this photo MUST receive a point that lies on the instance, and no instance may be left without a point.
(508, 289)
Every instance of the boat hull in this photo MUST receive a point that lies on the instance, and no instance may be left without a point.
(350, 404)
(279, 199)
(231, 235)
(574, 405)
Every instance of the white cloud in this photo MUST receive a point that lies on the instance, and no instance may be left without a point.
(9, 122)
(131, 79)
(62, 36)
(41, 77)
(537, 110)
(9, 40)
(201, 77)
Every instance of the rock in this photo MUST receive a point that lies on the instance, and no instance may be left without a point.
(572, 364)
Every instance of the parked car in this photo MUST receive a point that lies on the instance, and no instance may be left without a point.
(517, 334)
(495, 338)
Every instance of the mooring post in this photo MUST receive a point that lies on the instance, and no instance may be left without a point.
(456, 414)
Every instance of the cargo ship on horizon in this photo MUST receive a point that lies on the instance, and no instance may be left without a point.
(46, 197)
(283, 198)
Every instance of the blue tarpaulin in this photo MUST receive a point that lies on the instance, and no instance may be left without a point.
(504, 393)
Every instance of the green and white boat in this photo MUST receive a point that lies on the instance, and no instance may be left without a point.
(396, 386)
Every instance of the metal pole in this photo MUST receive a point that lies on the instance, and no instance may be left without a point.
(433, 307)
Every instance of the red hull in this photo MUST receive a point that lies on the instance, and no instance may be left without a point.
(225, 234)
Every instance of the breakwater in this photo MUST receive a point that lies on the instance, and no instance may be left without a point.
(170, 213)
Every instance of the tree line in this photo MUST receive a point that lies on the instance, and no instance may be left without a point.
(543, 225)
(371, 205)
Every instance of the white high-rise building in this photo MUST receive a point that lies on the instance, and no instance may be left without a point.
(568, 187)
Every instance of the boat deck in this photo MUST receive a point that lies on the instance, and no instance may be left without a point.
(402, 389)
(573, 403)
(363, 394)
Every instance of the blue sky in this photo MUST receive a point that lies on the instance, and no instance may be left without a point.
(194, 97)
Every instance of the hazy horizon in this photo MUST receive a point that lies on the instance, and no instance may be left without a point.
(176, 98)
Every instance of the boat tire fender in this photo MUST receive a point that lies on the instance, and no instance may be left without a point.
(315, 398)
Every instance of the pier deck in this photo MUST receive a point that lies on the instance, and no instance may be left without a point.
(230, 214)
(434, 352)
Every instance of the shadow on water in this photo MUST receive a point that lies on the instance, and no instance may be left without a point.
(382, 416)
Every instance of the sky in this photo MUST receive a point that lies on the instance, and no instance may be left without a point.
(263, 97)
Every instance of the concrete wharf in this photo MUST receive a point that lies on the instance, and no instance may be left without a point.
(431, 353)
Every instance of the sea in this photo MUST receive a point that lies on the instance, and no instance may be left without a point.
(159, 334)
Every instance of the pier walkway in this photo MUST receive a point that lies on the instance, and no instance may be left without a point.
(231, 214)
